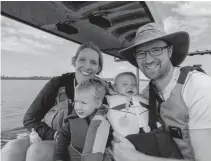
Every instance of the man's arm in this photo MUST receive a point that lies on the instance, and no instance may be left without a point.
(124, 150)
(196, 94)
(201, 143)
(200, 140)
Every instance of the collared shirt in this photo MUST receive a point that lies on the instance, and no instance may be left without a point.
(196, 93)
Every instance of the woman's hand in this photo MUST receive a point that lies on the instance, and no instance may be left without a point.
(123, 149)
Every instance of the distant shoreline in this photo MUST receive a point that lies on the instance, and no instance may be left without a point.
(38, 78)
(26, 78)
(48, 78)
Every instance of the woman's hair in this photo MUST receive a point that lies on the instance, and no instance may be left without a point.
(92, 46)
(124, 73)
(93, 83)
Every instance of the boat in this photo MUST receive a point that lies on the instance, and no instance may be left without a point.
(109, 24)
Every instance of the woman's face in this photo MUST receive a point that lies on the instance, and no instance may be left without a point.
(86, 64)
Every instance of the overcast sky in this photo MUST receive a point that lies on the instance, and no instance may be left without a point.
(26, 51)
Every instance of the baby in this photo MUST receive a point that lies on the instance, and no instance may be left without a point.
(126, 84)
(128, 113)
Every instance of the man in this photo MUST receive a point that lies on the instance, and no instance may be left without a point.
(186, 107)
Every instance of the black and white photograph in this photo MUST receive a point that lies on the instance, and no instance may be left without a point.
(105, 80)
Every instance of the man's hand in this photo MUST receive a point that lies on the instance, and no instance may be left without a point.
(123, 149)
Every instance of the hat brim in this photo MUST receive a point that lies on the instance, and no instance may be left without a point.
(179, 40)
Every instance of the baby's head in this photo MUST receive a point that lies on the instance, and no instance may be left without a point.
(89, 96)
(126, 84)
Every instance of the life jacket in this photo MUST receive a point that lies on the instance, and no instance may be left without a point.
(88, 141)
(54, 118)
(175, 114)
(63, 105)
(128, 120)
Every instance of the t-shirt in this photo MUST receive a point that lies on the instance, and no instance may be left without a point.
(196, 93)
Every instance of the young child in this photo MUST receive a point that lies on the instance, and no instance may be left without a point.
(88, 99)
(128, 113)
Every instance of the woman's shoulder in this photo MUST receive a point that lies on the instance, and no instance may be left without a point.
(62, 79)
(68, 75)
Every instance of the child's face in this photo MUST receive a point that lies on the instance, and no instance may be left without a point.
(85, 103)
(126, 85)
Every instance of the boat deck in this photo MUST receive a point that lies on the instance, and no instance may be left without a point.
(11, 134)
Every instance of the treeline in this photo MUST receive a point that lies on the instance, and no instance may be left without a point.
(25, 78)
(36, 78)
(45, 78)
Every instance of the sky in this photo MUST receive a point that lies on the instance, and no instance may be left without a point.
(26, 51)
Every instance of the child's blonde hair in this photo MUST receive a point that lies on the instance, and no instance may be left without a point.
(96, 84)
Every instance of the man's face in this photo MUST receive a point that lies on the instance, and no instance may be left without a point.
(154, 67)
(85, 103)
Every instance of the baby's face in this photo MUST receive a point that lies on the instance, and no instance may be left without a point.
(126, 85)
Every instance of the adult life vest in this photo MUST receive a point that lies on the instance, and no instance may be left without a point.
(92, 148)
(175, 115)
(54, 118)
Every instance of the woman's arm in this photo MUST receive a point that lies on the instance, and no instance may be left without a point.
(62, 143)
(40, 106)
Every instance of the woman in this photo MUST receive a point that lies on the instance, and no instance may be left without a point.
(88, 62)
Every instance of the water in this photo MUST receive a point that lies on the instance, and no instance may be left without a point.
(16, 97)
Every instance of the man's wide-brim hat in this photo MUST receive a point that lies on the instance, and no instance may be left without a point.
(151, 32)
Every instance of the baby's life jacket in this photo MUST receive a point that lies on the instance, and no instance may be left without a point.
(128, 115)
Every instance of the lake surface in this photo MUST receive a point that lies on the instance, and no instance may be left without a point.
(16, 97)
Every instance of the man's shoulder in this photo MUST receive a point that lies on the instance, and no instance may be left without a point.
(197, 87)
(197, 79)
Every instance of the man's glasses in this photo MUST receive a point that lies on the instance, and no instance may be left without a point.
(153, 52)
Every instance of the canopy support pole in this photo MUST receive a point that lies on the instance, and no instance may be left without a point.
(137, 75)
